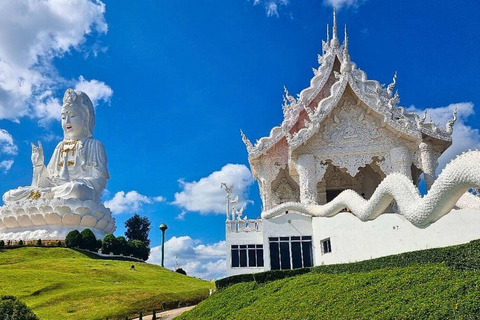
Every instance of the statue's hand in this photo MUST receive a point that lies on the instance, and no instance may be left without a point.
(37, 155)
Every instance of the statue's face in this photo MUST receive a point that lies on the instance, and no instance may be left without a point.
(73, 123)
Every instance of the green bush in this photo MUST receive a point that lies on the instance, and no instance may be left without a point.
(59, 243)
(39, 242)
(98, 244)
(20, 243)
(13, 309)
(138, 249)
(109, 243)
(73, 239)
(121, 246)
(462, 257)
(2, 243)
(89, 241)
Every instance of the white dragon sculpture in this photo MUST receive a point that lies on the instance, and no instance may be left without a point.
(460, 175)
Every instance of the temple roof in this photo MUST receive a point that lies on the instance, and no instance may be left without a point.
(335, 64)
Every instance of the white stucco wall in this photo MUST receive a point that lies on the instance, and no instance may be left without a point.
(288, 225)
(241, 238)
(353, 240)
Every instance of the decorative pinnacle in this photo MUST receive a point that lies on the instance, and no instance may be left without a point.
(328, 33)
(335, 42)
(345, 43)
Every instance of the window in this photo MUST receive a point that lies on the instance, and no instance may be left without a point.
(290, 252)
(326, 246)
(250, 255)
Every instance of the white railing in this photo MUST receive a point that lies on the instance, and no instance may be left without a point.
(250, 225)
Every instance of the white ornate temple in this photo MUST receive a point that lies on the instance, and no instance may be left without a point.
(338, 178)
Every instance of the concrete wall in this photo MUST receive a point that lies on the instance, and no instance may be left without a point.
(241, 238)
(353, 240)
(287, 225)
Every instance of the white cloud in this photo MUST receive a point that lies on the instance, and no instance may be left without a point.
(343, 3)
(130, 202)
(5, 165)
(8, 148)
(198, 260)
(96, 90)
(464, 137)
(271, 6)
(206, 196)
(33, 33)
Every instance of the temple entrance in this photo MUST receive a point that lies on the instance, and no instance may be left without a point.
(332, 194)
(337, 179)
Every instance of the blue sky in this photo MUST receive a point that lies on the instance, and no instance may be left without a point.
(175, 81)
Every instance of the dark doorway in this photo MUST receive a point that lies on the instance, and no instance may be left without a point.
(331, 194)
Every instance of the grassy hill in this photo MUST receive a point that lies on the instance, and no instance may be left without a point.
(431, 284)
(59, 283)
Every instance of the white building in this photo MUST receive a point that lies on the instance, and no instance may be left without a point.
(347, 132)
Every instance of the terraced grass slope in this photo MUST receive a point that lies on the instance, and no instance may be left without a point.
(422, 286)
(60, 283)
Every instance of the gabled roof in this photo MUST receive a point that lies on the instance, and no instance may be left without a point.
(373, 94)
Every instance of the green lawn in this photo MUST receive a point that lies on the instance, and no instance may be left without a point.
(421, 286)
(59, 283)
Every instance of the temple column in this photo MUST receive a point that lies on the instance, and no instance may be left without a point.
(401, 161)
(305, 166)
(428, 163)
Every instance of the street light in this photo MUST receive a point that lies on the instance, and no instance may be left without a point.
(162, 228)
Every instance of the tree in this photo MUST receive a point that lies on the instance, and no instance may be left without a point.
(137, 228)
(89, 241)
(109, 243)
(2, 243)
(73, 239)
(138, 249)
(11, 308)
(39, 242)
(122, 246)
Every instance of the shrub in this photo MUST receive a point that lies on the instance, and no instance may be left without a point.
(59, 243)
(461, 257)
(11, 308)
(20, 243)
(121, 246)
(138, 249)
(109, 243)
(98, 244)
(89, 241)
(2, 243)
(39, 242)
(181, 271)
(73, 239)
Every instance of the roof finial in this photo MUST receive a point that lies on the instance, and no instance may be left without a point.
(328, 33)
(335, 42)
(345, 44)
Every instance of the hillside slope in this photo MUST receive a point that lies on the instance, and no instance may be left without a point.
(59, 283)
(416, 290)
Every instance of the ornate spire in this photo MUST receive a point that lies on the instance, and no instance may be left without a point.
(335, 41)
(328, 33)
(345, 46)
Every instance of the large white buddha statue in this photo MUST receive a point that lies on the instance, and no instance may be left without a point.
(66, 192)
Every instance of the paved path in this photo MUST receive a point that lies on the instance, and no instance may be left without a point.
(168, 315)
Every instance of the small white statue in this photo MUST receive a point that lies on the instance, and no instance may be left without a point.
(78, 167)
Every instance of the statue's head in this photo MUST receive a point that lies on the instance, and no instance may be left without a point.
(78, 115)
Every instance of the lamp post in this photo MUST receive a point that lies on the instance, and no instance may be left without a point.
(163, 227)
